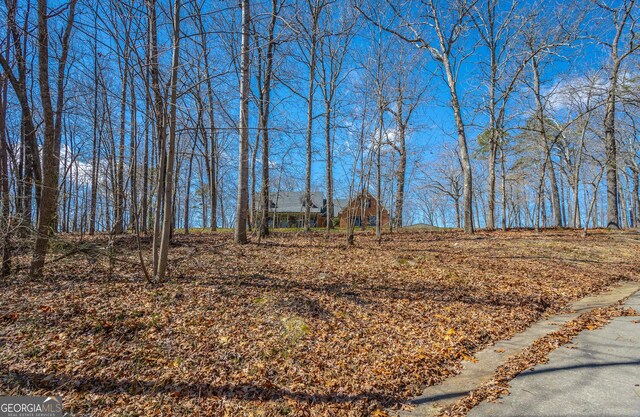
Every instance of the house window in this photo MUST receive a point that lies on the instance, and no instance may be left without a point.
(372, 220)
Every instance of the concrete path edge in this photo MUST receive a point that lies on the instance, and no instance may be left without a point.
(474, 374)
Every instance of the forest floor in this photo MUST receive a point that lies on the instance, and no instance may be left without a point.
(298, 325)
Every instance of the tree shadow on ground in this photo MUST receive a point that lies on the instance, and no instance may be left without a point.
(60, 383)
(364, 293)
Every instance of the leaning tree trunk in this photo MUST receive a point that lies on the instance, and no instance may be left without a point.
(464, 151)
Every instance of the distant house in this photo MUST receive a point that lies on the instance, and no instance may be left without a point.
(287, 209)
(361, 210)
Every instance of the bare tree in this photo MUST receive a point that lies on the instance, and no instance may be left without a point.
(335, 44)
(409, 94)
(623, 44)
(210, 141)
(166, 176)
(242, 204)
(547, 144)
(52, 131)
(447, 24)
(30, 173)
(310, 38)
(497, 28)
(445, 180)
(264, 109)
(161, 132)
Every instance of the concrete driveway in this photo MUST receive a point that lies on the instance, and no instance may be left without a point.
(598, 374)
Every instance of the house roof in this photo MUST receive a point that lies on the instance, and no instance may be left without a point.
(359, 197)
(339, 204)
(293, 202)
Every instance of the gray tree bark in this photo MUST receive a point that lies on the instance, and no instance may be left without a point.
(52, 132)
(167, 215)
(242, 204)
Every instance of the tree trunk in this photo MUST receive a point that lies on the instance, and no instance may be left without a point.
(378, 176)
(51, 144)
(133, 151)
(555, 195)
(548, 164)
(5, 220)
(504, 189)
(464, 152)
(253, 218)
(636, 197)
(623, 205)
(315, 15)
(493, 129)
(268, 75)
(491, 213)
(144, 209)
(576, 179)
(119, 221)
(401, 172)
(212, 147)
(159, 117)
(188, 190)
(613, 216)
(30, 171)
(243, 127)
(329, 166)
(167, 215)
(95, 150)
(540, 199)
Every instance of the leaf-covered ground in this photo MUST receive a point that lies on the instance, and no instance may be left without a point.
(299, 325)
